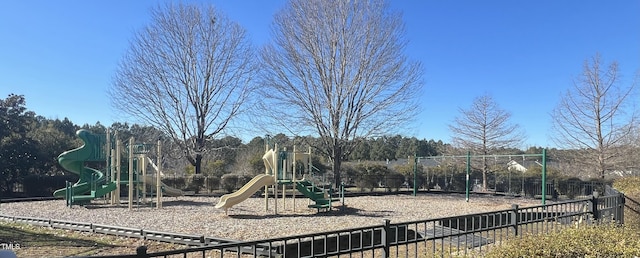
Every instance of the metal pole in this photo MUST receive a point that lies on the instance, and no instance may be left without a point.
(266, 171)
(276, 158)
(522, 192)
(158, 177)
(118, 168)
(67, 193)
(415, 172)
(385, 238)
(467, 178)
(544, 176)
(143, 166)
(293, 179)
(130, 173)
(114, 165)
(109, 173)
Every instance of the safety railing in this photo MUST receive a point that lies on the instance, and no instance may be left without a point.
(167, 237)
(465, 235)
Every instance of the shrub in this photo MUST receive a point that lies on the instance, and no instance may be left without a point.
(369, 176)
(196, 183)
(43, 185)
(229, 182)
(393, 181)
(349, 174)
(629, 187)
(175, 182)
(590, 241)
(213, 183)
(407, 171)
(214, 168)
(242, 180)
(570, 187)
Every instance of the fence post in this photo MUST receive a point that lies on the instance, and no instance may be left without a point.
(621, 203)
(385, 239)
(594, 206)
(514, 218)
(141, 251)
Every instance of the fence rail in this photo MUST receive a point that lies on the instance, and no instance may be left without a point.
(167, 237)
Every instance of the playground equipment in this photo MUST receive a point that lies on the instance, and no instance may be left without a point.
(281, 170)
(91, 180)
(495, 163)
(94, 183)
(255, 184)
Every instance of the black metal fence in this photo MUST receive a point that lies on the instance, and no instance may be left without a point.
(516, 185)
(463, 235)
(511, 183)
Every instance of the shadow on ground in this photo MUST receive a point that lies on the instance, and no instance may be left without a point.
(48, 244)
(336, 212)
(124, 205)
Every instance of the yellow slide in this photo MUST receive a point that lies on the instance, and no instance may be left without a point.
(259, 181)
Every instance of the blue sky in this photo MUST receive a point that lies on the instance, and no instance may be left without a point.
(62, 54)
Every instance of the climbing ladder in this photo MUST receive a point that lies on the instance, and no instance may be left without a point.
(321, 197)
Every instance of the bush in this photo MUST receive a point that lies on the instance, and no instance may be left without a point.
(213, 183)
(629, 187)
(242, 180)
(43, 185)
(229, 182)
(349, 174)
(570, 187)
(196, 183)
(590, 241)
(393, 181)
(369, 176)
(175, 182)
(407, 171)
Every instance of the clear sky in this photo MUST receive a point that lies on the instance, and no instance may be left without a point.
(62, 54)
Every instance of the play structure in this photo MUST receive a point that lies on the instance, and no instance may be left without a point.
(123, 165)
(283, 169)
(503, 172)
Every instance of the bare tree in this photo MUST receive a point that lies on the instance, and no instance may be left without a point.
(485, 127)
(187, 73)
(336, 69)
(593, 118)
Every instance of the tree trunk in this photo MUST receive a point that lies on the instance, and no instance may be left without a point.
(484, 174)
(198, 164)
(337, 163)
(602, 166)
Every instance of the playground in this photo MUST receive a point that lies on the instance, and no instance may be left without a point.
(248, 220)
(293, 203)
(126, 164)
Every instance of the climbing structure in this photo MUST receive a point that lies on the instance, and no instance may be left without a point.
(106, 151)
(285, 167)
(281, 170)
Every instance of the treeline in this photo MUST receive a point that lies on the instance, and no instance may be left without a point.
(30, 144)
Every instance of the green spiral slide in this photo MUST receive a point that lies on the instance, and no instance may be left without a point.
(92, 183)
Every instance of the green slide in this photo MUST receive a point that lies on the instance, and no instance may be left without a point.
(92, 182)
(319, 196)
